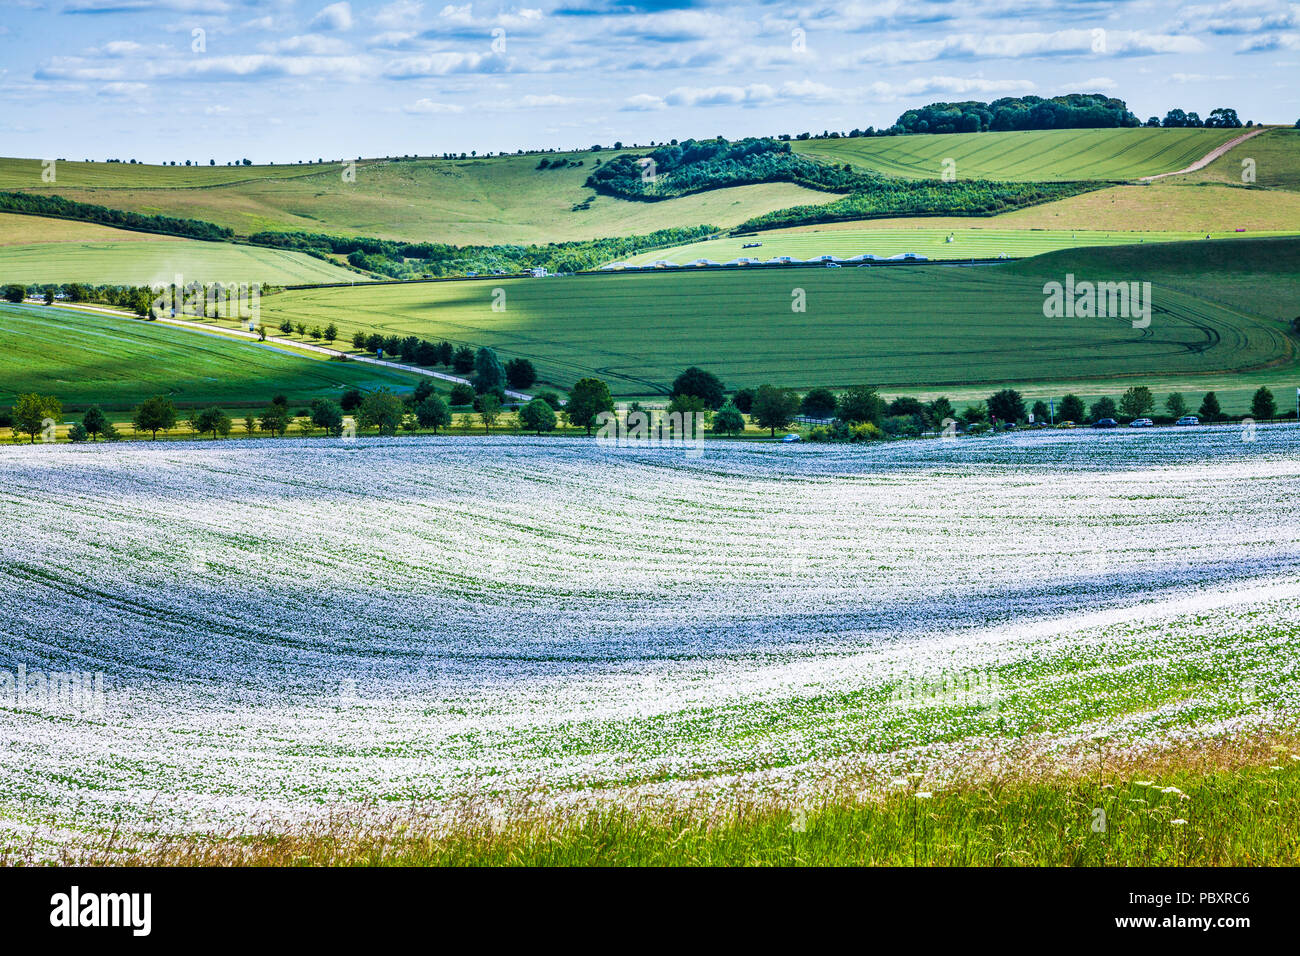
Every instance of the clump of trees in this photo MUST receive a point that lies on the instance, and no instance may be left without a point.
(1069, 111)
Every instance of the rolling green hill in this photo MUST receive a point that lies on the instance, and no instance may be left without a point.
(38, 250)
(1029, 156)
(968, 242)
(1277, 162)
(87, 357)
(905, 328)
(473, 201)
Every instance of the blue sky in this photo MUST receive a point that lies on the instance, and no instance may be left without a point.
(161, 80)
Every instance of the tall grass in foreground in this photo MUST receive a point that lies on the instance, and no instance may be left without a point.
(1195, 809)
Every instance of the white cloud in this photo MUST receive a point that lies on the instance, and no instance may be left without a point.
(644, 102)
(337, 16)
(429, 106)
(548, 99)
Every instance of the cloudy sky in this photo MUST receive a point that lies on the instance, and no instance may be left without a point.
(158, 80)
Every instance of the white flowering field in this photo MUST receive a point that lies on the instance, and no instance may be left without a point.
(289, 627)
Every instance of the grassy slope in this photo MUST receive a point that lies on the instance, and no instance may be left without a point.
(905, 328)
(503, 199)
(1028, 156)
(84, 358)
(923, 236)
(1277, 162)
(35, 249)
(1235, 810)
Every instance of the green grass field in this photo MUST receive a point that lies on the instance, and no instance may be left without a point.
(968, 242)
(486, 201)
(1027, 156)
(1276, 154)
(921, 328)
(56, 250)
(86, 358)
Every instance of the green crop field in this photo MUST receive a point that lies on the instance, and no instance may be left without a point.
(968, 242)
(904, 328)
(61, 251)
(1276, 156)
(485, 201)
(1027, 156)
(87, 357)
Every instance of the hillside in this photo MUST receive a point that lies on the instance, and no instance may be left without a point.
(904, 328)
(925, 236)
(476, 201)
(38, 250)
(85, 357)
(1276, 155)
(1028, 156)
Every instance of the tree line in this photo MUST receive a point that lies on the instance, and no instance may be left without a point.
(59, 208)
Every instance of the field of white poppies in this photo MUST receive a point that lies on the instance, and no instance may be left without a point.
(286, 628)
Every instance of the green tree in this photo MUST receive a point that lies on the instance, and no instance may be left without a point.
(95, 422)
(744, 399)
(538, 416)
(940, 410)
(728, 419)
(328, 416)
(15, 293)
(462, 394)
(819, 403)
(276, 419)
(351, 399)
(382, 410)
(704, 385)
(1071, 409)
(489, 410)
(1137, 401)
(1262, 405)
(433, 413)
(587, 399)
(31, 411)
(423, 389)
(154, 415)
(214, 420)
(1006, 406)
(463, 360)
(488, 373)
(520, 373)
(862, 403)
(1176, 405)
(331, 332)
(1210, 410)
(774, 407)
(1103, 407)
(1040, 411)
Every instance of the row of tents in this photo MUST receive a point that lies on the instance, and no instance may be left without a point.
(774, 261)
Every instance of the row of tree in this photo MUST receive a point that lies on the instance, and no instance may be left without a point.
(1007, 406)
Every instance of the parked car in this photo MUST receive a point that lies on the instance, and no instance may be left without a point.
(1141, 423)
(1188, 420)
(1067, 425)
(832, 265)
(792, 437)
(1105, 423)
